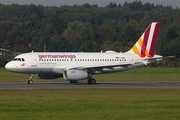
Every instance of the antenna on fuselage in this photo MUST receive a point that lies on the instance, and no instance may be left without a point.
(32, 51)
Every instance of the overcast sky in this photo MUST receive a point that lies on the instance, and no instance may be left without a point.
(173, 3)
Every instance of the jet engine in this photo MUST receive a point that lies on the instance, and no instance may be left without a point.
(75, 74)
(49, 76)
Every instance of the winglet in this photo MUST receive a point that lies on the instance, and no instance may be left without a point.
(146, 44)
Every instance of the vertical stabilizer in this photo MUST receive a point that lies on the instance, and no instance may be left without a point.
(146, 44)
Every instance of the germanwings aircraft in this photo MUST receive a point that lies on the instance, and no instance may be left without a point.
(74, 66)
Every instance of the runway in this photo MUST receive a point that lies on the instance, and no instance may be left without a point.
(80, 85)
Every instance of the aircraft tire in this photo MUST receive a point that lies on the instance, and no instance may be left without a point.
(30, 82)
(73, 81)
(91, 81)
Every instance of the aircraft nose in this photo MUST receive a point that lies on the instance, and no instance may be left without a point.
(7, 66)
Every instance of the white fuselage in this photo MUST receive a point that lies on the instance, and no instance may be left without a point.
(41, 62)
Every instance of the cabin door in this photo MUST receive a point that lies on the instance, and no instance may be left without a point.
(33, 61)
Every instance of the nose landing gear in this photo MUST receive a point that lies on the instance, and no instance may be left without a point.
(30, 79)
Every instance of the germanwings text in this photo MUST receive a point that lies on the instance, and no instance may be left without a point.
(57, 56)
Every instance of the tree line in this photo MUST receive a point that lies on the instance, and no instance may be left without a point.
(87, 28)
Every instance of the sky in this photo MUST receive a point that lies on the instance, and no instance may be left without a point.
(173, 3)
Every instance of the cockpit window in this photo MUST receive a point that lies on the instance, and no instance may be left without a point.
(15, 59)
(18, 59)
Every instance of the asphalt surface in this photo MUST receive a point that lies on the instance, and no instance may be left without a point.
(67, 85)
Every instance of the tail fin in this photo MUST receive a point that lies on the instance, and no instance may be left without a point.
(146, 44)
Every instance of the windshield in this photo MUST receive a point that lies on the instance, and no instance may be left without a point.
(18, 59)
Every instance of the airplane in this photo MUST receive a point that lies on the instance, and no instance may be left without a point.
(75, 66)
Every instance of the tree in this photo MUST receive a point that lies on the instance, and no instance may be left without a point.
(107, 31)
(78, 32)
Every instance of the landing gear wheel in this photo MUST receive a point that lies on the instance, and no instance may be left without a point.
(73, 81)
(30, 79)
(91, 81)
(30, 82)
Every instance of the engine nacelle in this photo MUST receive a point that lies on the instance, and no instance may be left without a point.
(49, 76)
(75, 74)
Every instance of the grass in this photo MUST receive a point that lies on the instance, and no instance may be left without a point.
(161, 74)
(90, 104)
(94, 104)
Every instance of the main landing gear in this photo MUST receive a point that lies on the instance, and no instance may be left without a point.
(73, 81)
(91, 81)
(30, 79)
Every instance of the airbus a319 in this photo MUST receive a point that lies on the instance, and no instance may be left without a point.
(75, 66)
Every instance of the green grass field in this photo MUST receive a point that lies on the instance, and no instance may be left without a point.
(94, 104)
(90, 104)
(139, 74)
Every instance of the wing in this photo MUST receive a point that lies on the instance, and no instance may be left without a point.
(105, 65)
(60, 69)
